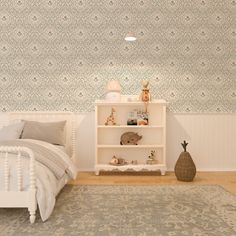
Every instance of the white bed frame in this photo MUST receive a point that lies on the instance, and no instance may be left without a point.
(27, 198)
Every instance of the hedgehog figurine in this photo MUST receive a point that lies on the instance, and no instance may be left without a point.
(129, 138)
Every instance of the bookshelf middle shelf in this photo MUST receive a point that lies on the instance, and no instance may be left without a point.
(150, 136)
(130, 126)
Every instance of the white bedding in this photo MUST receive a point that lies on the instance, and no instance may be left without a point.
(47, 183)
(62, 148)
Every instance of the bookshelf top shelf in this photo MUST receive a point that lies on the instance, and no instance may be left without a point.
(125, 102)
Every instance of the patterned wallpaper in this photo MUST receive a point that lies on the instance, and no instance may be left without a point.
(59, 54)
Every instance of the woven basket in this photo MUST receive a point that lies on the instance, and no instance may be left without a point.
(185, 169)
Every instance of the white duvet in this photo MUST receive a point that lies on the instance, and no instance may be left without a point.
(48, 183)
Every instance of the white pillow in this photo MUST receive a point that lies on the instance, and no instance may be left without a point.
(12, 131)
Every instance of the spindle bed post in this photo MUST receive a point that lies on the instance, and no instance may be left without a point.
(20, 198)
(32, 190)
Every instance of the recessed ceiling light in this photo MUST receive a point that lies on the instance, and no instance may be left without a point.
(130, 37)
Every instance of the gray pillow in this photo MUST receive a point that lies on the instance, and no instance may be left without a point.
(12, 131)
(51, 132)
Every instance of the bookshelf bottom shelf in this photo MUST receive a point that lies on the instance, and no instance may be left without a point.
(139, 167)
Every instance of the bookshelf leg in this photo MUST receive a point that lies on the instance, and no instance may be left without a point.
(163, 172)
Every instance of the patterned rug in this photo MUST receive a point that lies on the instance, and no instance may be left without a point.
(131, 211)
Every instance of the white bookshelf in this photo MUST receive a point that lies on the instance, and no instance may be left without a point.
(108, 137)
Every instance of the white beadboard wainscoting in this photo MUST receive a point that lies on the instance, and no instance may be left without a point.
(211, 137)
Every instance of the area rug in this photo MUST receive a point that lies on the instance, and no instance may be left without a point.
(131, 211)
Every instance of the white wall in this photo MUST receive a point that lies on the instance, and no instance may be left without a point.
(211, 137)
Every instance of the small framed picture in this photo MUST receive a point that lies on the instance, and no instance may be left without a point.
(142, 118)
(132, 117)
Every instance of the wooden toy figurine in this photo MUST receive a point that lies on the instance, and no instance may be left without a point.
(118, 161)
(145, 95)
(111, 118)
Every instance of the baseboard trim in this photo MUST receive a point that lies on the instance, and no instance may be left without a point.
(172, 170)
(211, 170)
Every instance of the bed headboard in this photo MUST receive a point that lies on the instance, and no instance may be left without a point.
(52, 117)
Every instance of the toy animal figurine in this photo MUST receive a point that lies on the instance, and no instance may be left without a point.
(145, 95)
(111, 118)
(129, 138)
(152, 158)
(114, 161)
(117, 161)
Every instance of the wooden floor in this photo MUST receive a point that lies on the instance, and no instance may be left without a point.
(225, 179)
